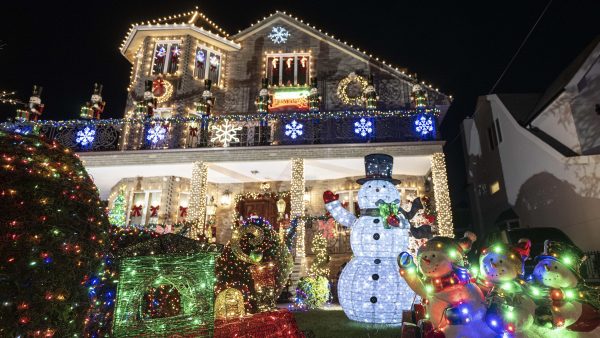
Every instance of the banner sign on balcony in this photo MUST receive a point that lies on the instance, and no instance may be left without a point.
(293, 98)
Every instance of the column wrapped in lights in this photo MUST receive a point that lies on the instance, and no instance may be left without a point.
(197, 206)
(297, 203)
(441, 195)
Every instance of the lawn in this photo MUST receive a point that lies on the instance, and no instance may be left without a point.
(333, 323)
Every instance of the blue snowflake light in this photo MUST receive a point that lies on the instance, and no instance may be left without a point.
(294, 129)
(363, 127)
(85, 137)
(425, 125)
(23, 129)
(156, 133)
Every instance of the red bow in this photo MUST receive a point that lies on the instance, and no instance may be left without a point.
(182, 211)
(158, 87)
(136, 211)
(154, 210)
(193, 131)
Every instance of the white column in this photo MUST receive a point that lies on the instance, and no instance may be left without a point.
(441, 195)
(197, 205)
(297, 203)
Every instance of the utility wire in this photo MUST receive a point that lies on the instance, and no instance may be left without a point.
(520, 47)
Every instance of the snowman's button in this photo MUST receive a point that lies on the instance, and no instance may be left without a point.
(376, 220)
(373, 299)
(376, 236)
(375, 276)
(377, 260)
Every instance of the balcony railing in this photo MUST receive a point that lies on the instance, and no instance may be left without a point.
(235, 130)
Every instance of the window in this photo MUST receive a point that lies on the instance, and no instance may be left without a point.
(498, 131)
(349, 200)
(494, 187)
(491, 138)
(166, 57)
(288, 69)
(208, 65)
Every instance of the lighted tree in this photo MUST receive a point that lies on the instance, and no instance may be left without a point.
(53, 232)
(117, 214)
(320, 265)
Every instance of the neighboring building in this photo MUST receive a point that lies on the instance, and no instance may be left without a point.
(190, 151)
(534, 160)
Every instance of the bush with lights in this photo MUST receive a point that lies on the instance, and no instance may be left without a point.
(53, 231)
(118, 214)
(312, 291)
(256, 263)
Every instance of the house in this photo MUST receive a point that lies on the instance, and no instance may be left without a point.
(534, 160)
(220, 126)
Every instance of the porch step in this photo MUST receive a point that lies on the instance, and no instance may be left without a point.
(298, 272)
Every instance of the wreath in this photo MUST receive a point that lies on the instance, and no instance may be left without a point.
(345, 83)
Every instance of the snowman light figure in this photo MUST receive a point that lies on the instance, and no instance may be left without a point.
(454, 305)
(370, 288)
(511, 311)
(574, 306)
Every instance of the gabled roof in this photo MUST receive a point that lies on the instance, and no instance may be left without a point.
(193, 22)
(329, 38)
(565, 78)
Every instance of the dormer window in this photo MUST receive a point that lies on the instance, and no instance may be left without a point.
(288, 69)
(166, 57)
(207, 64)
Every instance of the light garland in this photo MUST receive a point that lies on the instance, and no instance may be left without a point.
(297, 203)
(168, 93)
(441, 195)
(197, 205)
(320, 265)
(342, 89)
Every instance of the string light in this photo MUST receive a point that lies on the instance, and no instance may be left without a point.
(297, 203)
(197, 205)
(441, 195)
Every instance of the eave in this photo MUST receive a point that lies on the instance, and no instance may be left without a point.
(138, 33)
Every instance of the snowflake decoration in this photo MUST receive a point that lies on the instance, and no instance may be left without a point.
(294, 129)
(161, 52)
(85, 137)
(176, 51)
(23, 130)
(156, 133)
(363, 127)
(225, 133)
(200, 56)
(279, 35)
(423, 125)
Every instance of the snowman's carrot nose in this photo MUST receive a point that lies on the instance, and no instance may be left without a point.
(546, 267)
(494, 265)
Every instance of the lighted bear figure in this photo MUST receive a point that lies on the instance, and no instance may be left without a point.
(370, 288)
(573, 305)
(511, 311)
(454, 305)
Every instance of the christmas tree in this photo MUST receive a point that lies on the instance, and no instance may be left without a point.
(320, 265)
(53, 231)
(117, 215)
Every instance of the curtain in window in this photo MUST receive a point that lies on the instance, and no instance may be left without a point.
(160, 57)
(302, 70)
(214, 62)
(273, 70)
(175, 52)
(200, 69)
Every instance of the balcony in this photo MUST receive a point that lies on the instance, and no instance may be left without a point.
(236, 130)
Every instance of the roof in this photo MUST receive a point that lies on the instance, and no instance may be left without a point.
(193, 22)
(562, 81)
(519, 105)
(331, 39)
(168, 244)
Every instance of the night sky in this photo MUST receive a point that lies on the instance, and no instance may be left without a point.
(459, 46)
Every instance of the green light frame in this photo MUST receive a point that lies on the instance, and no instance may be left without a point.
(194, 277)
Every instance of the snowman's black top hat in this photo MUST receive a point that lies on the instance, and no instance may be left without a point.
(378, 167)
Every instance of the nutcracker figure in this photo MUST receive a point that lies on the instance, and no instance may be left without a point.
(94, 108)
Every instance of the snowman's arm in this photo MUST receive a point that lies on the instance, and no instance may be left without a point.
(341, 215)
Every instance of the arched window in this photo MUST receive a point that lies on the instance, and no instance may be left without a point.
(161, 302)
